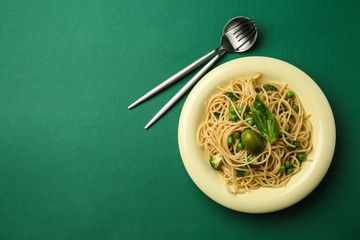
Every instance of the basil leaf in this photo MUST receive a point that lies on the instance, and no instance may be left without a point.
(265, 120)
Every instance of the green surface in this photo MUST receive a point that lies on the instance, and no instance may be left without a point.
(75, 163)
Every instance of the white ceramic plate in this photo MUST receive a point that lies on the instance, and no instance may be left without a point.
(263, 199)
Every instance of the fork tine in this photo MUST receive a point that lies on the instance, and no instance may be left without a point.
(244, 33)
(238, 41)
(247, 37)
(238, 27)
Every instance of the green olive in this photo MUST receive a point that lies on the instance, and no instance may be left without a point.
(252, 142)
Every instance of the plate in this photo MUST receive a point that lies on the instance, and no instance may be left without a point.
(263, 199)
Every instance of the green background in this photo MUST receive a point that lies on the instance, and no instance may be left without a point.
(75, 163)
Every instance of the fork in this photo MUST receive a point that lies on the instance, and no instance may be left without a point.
(236, 30)
(232, 41)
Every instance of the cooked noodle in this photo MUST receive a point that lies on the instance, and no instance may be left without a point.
(264, 168)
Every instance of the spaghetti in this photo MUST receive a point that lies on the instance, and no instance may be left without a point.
(229, 115)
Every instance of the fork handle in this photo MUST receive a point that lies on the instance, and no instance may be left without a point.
(184, 89)
(172, 79)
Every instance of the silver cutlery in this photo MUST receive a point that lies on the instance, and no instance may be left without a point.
(239, 35)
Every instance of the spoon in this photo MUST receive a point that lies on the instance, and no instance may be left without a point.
(236, 24)
(234, 40)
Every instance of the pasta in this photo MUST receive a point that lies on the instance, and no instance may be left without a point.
(230, 121)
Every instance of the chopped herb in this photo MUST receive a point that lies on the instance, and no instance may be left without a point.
(270, 88)
(252, 165)
(288, 147)
(241, 173)
(287, 129)
(297, 144)
(231, 96)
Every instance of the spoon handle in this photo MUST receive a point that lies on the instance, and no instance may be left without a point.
(172, 79)
(184, 89)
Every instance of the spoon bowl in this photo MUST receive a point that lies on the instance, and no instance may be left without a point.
(233, 23)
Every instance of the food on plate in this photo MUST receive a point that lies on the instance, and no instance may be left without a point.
(255, 134)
